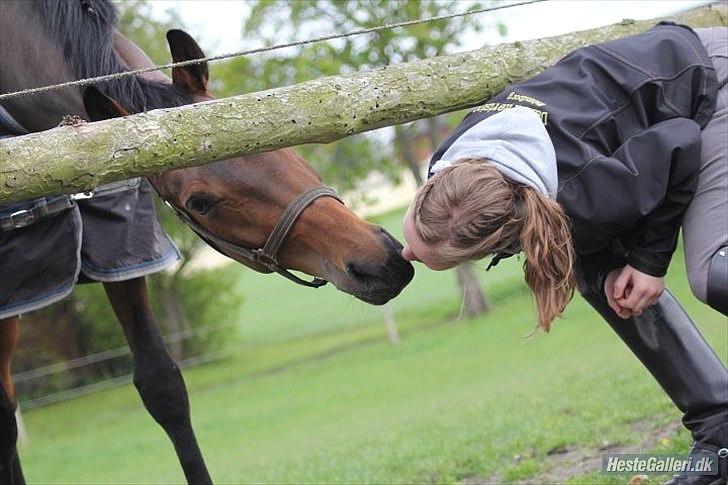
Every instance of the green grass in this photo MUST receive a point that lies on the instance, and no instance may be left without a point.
(317, 394)
(307, 311)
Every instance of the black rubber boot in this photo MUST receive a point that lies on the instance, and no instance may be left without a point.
(720, 479)
(667, 342)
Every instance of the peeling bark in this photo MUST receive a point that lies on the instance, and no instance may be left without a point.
(76, 158)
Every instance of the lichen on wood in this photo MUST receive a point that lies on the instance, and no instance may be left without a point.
(75, 158)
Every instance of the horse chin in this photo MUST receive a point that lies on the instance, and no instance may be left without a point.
(374, 291)
(377, 300)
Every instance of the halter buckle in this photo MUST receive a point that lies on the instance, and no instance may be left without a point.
(265, 259)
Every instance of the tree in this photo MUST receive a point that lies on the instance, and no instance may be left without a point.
(268, 20)
(137, 22)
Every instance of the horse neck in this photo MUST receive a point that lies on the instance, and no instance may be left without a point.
(30, 58)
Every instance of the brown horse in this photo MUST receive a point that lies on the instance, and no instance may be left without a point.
(234, 203)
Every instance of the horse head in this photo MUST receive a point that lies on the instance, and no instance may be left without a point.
(240, 201)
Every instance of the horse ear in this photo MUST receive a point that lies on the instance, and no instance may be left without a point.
(101, 107)
(192, 78)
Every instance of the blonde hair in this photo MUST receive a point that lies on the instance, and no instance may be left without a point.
(470, 210)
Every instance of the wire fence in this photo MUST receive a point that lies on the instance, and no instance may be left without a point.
(70, 365)
(110, 77)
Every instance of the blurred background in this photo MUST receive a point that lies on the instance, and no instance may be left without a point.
(290, 384)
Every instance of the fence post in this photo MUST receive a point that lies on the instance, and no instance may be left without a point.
(390, 323)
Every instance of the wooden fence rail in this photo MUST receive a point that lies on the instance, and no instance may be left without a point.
(76, 158)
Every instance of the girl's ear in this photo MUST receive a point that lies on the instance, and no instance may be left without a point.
(101, 107)
(192, 78)
(548, 248)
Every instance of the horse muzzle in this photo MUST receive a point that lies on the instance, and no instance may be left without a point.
(376, 282)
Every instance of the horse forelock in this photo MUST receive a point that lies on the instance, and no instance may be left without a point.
(84, 31)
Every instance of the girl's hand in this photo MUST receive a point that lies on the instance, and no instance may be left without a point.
(609, 293)
(632, 291)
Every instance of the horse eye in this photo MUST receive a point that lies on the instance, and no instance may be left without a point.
(201, 204)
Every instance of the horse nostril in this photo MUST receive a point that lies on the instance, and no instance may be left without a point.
(363, 271)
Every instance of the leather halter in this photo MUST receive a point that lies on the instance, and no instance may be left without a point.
(267, 255)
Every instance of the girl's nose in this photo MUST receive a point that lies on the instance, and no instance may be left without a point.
(408, 254)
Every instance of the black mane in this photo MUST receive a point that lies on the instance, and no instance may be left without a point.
(83, 28)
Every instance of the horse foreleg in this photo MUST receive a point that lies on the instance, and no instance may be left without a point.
(156, 376)
(10, 471)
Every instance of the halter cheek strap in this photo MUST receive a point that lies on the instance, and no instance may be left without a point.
(267, 255)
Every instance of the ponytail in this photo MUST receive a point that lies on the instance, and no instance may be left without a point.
(470, 210)
(549, 254)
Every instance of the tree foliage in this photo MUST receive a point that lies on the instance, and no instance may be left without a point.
(275, 22)
(272, 20)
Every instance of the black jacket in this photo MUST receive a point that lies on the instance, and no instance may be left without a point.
(625, 119)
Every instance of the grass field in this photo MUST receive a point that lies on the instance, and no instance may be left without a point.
(317, 394)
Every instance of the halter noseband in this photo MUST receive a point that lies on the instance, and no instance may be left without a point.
(267, 255)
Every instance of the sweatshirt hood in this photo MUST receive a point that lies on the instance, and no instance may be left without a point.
(516, 142)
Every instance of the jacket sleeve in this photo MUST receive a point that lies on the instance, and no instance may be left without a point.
(636, 194)
(672, 146)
